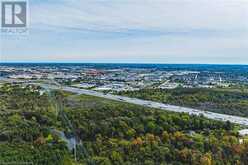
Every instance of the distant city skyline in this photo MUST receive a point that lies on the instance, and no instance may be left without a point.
(132, 31)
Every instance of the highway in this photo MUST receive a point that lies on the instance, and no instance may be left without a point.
(152, 104)
(146, 103)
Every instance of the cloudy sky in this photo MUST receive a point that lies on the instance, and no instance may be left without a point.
(137, 31)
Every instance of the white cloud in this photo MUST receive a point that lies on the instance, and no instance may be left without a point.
(138, 30)
(143, 14)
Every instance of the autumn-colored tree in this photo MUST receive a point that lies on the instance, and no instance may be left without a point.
(40, 141)
(206, 159)
(138, 141)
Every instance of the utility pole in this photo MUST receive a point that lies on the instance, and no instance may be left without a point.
(75, 150)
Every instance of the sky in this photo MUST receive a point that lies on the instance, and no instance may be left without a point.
(132, 31)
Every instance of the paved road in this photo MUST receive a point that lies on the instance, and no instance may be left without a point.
(152, 104)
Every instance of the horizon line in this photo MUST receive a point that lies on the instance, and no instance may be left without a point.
(91, 62)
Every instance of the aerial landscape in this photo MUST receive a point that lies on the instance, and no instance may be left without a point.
(127, 82)
(76, 113)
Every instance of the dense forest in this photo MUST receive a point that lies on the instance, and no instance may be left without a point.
(226, 101)
(26, 122)
(108, 132)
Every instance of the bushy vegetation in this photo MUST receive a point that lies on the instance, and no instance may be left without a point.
(108, 132)
(233, 102)
(26, 120)
(119, 133)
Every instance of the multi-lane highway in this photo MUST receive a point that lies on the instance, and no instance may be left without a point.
(152, 104)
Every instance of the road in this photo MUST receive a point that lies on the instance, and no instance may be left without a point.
(152, 104)
(146, 103)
